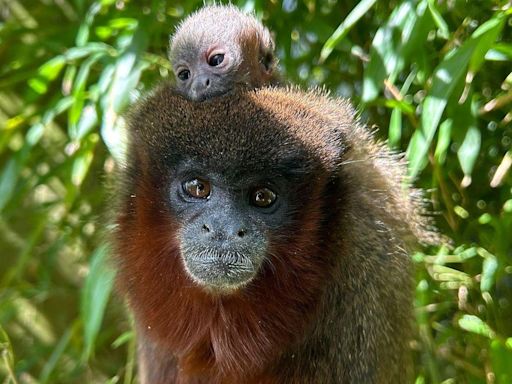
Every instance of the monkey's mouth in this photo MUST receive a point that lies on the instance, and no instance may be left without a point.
(207, 95)
(219, 270)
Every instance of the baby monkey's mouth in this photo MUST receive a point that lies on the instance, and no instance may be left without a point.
(220, 270)
(209, 93)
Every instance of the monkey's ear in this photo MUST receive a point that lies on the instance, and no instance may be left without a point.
(267, 61)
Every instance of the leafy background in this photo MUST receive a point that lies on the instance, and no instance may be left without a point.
(433, 75)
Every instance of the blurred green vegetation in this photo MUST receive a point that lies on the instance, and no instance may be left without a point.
(435, 76)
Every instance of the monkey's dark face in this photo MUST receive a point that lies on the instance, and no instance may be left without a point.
(221, 186)
(224, 223)
(207, 70)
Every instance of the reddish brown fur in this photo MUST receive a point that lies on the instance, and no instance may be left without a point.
(267, 315)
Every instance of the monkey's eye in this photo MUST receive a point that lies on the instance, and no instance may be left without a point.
(198, 188)
(215, 60)
(184, 74)
(263, 197)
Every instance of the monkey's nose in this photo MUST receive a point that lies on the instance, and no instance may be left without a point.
(220, 232)
(200, 85)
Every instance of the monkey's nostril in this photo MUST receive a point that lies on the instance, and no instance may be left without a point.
(206, 228)
(241, 233)
(207, 82)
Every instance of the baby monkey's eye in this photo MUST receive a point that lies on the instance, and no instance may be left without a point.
(198, 188)
(184, 74)
(215, 60)
(263, 197)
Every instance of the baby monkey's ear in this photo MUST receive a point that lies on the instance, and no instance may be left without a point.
(267, 61)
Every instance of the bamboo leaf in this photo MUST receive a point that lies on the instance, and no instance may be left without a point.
(95, 295)
(395, 128)
(441, 24)
(475, 325)
(344, 28)
(392, 45)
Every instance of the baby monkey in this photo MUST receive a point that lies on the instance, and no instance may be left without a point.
(220, 48)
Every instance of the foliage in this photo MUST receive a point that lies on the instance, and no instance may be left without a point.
(435, 76)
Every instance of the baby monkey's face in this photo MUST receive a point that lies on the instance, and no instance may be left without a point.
(218, 49)
(207, 71)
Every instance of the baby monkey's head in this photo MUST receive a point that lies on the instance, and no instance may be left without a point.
(220, 48)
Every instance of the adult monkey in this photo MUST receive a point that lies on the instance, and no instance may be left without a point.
(220, 48)
(261, 238)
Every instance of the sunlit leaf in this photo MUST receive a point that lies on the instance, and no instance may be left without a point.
(469, 150)
(501, 356)
(499, 52)
(438, 19)
(79, 88)
(395, 128)
(476, 325)
(95, 295)
(352, 18)
(89, 49)
(489, 267)
(487, 33)
(405, 30)
(443, 141)
(83, 33)
(88, 120)
(123, 339)
(446, 77)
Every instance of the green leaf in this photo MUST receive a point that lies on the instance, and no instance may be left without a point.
(88, 120)
(489, 267)
(469, 150)
(344, 28)
(415, 32)
(446, 77)
(447, 274)
(8, 179)
(95, 295)
(81, 167)
(121, 77)
(487, 33)
(89, 49)
(124, 338)
(58, 351)
(79, 94)
(46, 73)
(499, 52)
(442, 26)
(417, 152)
(476, 325)
(392, 45)
(83, 33)
(6, 351)
(395, 128)
(83, 160)
(123, 22)
(501, 356)
(443, 141)
(51, 69)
